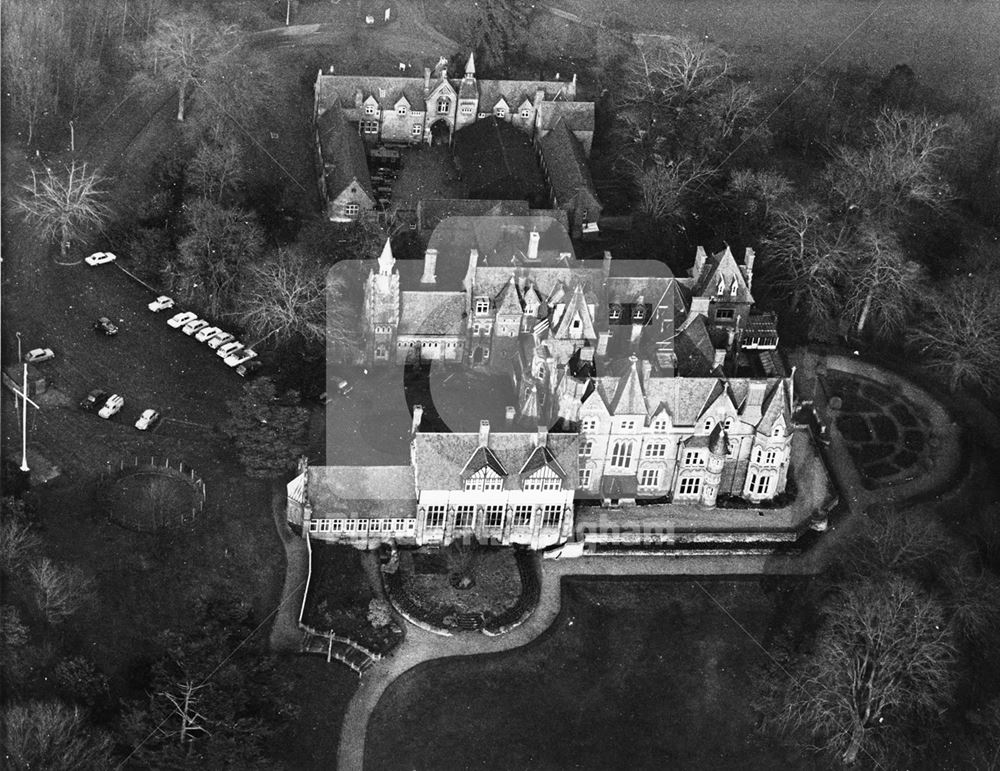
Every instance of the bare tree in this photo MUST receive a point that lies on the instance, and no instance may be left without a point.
(665, 187)
(51, 735)
(216, 170)
(182, 49)
(668, 71)
(59, 592)
(884, 284)
(901, 167)
(891, 541)
(63, 206)
(31, 39)
(883, 662)
(957, 332)
(17, 543)
(283, 297)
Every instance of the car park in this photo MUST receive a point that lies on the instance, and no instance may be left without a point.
(36, 355)
(240, 356)
(207, 333)
(194, 326)
(94, 400)
(181, 319)
(221, 339)
(112, 406)
(100, 258)
(147, 420)
(161, 303)
(105, 326)
(228, 349)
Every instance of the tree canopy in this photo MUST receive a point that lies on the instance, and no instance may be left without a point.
(270, 433)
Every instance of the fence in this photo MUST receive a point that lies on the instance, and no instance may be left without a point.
(161, 507)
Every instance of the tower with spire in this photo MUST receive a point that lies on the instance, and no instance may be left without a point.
(718, 448)
(468, 96)
(381, 310)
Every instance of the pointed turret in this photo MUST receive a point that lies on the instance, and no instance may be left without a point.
(470, 66)
(386, 261)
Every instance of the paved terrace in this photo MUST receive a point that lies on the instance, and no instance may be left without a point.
(938, 475)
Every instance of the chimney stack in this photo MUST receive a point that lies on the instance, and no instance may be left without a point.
(430, 266)
(418, 414)
(509, 416)
(484, 433)
(427, 80)
(699, 262)
(607, 264)
(533, 238)
(542, 437)
(470, 273)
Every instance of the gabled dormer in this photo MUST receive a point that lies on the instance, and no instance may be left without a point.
(402, 107)
(442, 99)
(541, 470)
(501, 109)
(370, 106)
(483, 470)
(576, 321)
(660, 421)
(719, 407)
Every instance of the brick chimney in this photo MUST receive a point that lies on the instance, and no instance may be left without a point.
(470, 273)
(542, 436)
(509, 414)
(418, 414)
(533, 238)
(430, 267)
(699, 262)
(427, 80)
(607, 264)
(748, 267)
(484, 433)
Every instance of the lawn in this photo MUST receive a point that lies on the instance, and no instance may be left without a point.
(633, 674)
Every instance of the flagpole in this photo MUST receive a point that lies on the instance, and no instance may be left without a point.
(24, 421)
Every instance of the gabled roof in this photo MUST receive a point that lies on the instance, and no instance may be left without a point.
(629, 398)
(482, 458)
(566, 165)
(722, 267)
(343, 154)
(541, 457)
(576, 307)
(578, 116)
(508, 303)
(694, 349)
(776, 406)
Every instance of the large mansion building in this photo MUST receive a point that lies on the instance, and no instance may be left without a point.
(645, 385)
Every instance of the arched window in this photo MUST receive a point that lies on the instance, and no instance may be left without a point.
(444, 105)
(776, 431)
(756, 454)
(709, 423)
(728, 424)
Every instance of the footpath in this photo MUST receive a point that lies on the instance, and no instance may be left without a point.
(421, 645)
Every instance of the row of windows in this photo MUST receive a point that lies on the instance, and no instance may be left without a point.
(615, 312)
(465, 515)
(352, 209)
(621, 453)
(485, 480)
(361, 525)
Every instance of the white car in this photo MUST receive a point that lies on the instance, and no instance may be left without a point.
(99, 258)
(228, 349)
(235, 359)
(207, 333)
(181, 319)
(220, 339)
(147, 420)
(194, 326)
(39, 354)
(112, 406)
(161, 303)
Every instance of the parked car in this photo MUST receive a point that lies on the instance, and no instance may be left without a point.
(161, 303)
(36, 355)
(100, 258)
(105, 326)
(194, 326)
(249, 369)
(181, 319)
(220, 339)
(239, 357)
(147, 420)
(228, 349)
(207, 333)
(94, 400)
(112, 406)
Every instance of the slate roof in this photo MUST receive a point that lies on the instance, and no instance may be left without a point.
(361, 491)
(431, 212)
(343, 154)
(722, 265)
(541, 457)
(497, 160)
(694, 349)
(578, 116)
(440, 458)
(566, 164)
(432, 313)
(482, 458)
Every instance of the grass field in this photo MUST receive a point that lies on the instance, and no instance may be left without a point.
(634, 674)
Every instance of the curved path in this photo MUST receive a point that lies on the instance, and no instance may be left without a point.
(420, 645)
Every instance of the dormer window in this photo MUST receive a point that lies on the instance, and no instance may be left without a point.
(482, 305)
(615, 312)
(369, 108)
(776, 431)
(484, 480)
(401, 110)
(660, 425)
(543, 479)
(525, 113)
(721, 286)
(709, 423)
(443, 106)
(500, 112)
(733, 287)
(728, 424)
(639, 313)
